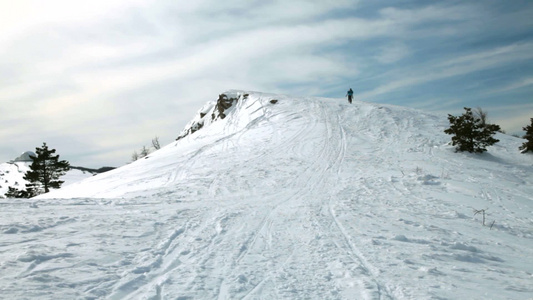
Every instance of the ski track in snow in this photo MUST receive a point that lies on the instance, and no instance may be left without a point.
(305, 199)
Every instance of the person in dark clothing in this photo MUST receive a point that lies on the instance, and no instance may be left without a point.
(350, 95)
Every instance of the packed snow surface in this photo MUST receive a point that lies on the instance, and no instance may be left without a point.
(307, 198)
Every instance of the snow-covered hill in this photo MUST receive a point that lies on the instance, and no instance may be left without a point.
(305, 198)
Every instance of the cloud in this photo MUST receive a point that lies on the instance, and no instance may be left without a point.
(440, 105)
(428, 13)
(518, 84)
(456, 66)
(512, 118)
(495, 56)
(22, 16)
(392, 53)
(112, 74)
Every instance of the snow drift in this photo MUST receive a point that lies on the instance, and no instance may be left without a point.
(303, 198)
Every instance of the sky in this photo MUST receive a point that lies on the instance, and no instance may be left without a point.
(98, 80)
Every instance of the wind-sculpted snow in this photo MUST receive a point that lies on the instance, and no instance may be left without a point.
(306, 198)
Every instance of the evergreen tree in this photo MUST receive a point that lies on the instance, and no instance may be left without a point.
(470, 134)
(45, 171)
(528, 146)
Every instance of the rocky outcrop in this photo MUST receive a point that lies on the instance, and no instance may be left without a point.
(223, 103)
(218, 111)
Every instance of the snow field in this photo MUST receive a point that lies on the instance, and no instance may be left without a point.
(308, 198)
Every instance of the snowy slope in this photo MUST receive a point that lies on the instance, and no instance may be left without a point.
(12, 175)
(308, 198)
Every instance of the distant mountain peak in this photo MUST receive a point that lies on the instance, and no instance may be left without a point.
(25, 157)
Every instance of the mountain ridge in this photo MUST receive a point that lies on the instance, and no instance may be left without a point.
(378, 123)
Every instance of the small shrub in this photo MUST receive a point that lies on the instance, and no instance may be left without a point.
(16, 193)
(155, 143)
(528, 145)
(134, 156)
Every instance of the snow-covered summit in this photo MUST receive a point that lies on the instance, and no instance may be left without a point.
(299, 198)
(251, 120)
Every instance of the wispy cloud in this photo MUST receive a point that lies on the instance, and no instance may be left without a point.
(457, 66)
(392, 53)
(520, 83)
(110, 75)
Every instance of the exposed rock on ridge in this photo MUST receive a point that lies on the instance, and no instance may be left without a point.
(217, 110)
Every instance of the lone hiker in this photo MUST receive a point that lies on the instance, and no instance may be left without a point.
(350, 95)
